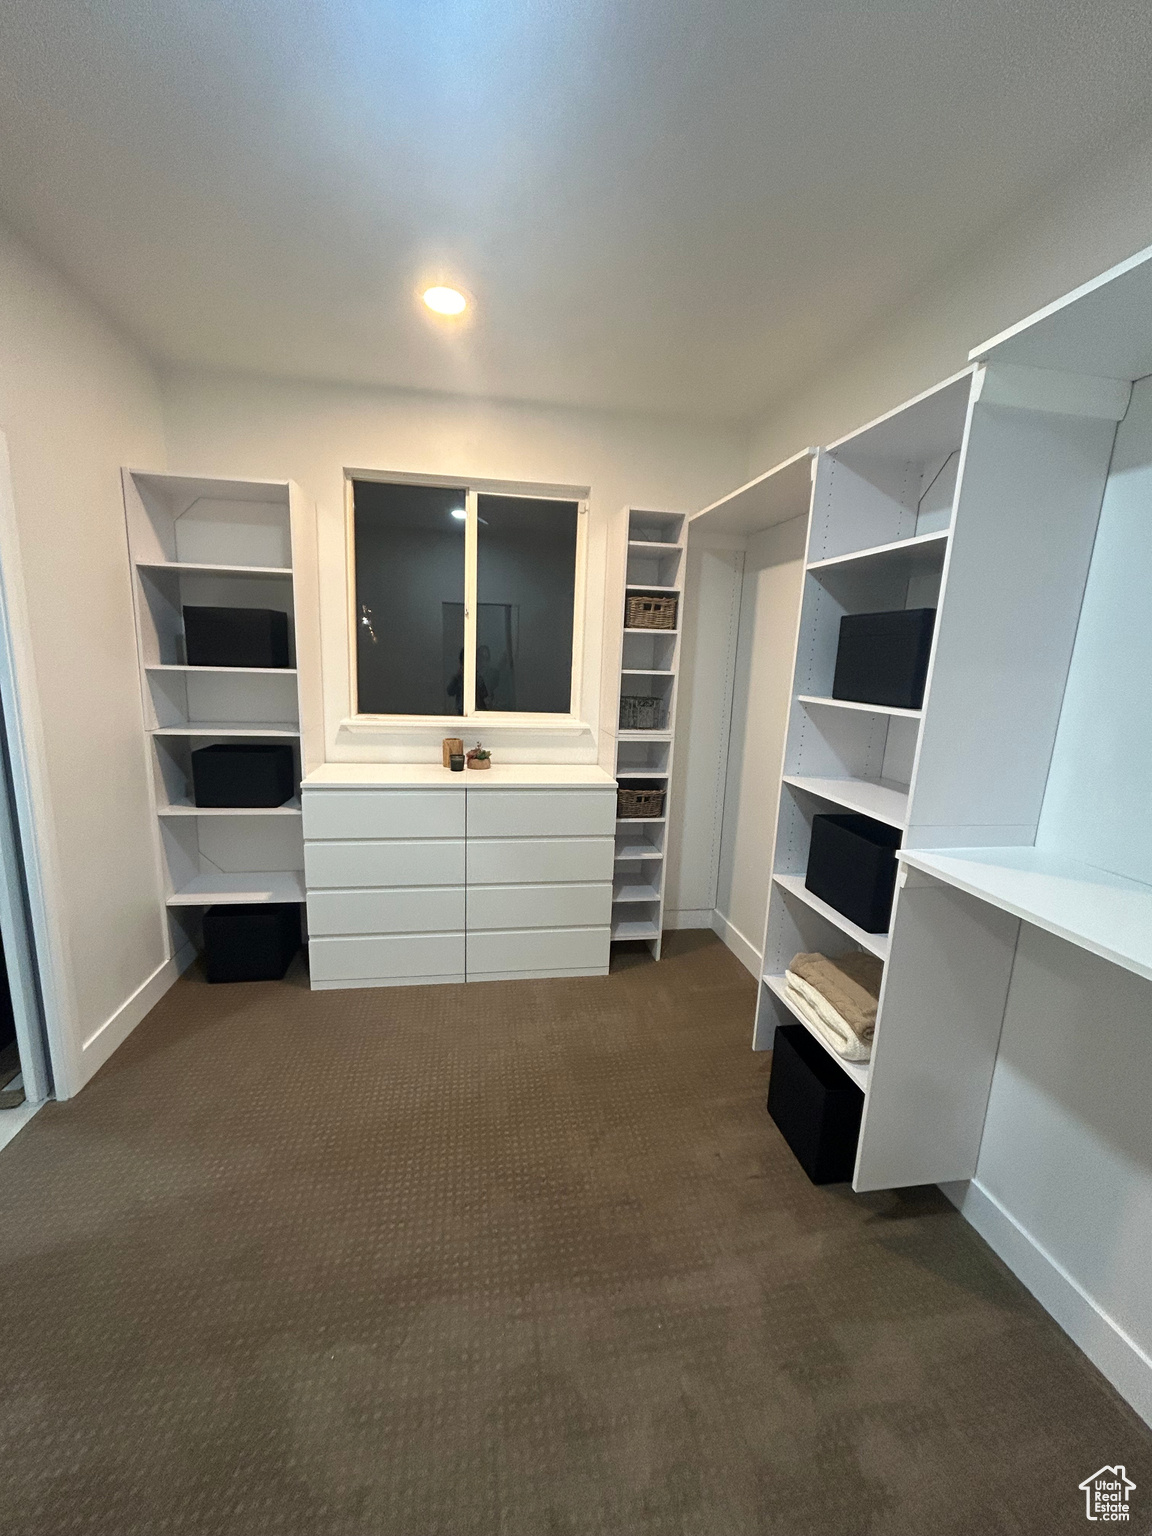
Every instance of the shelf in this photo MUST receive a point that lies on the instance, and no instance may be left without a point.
(856, 1070)
(662, 545)
(647, 671)
(645, 629)
(289, 808)
(642, 773)
(649, 586)
(884, 799)
(169, 666)
(211, 889)
(640, 821)
(1107, 914)
(868, 709)
(874, 943)
(196, 568)
(925, 548)
(227, 728)
(639, 735)
(631, 889)
(634, 852)
(634, 928)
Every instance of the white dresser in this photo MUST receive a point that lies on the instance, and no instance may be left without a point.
(415, 874)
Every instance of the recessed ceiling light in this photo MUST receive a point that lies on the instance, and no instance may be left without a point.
(445, 301)
(459, 513)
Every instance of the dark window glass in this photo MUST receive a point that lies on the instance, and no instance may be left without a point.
(525, 590)
(409, 599)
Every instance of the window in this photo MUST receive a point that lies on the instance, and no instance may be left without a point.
(464, 600)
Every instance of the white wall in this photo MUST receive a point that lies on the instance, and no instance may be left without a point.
(220, 424)
(77, 402)
(1079, 230)
(769, 614)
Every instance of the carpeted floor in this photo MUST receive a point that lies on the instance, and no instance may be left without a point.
(526, 1259)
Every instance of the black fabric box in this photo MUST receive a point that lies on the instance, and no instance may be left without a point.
(816, 1106)
(882, 658)
(852, 866)
(251, 941)
(243, 774)
(236, 637)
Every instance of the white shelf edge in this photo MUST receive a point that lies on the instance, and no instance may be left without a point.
(204, 568)
(217, 889)
(640, 821)
(284, 731)
(875, 943)
(646, 629)
(856, 1070)
(639, 735)
(641, 930)
(642, 773)
(868, 709)
(650, 586)
(879, 551)
(648, 855)
(660, 544)
(629, 897)
(646, 671)
(854, 795)
(175, 666)
(289, 808)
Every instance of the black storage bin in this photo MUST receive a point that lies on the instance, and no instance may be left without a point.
(852, 866)
(882, 658)
(816, 1106)
(243, 774)
(236, 637)
(251, 941)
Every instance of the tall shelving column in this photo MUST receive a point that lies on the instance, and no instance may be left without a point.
(227, 543)
(649, 663)
(878, 540)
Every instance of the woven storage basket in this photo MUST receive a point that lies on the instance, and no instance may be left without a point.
(639, 802)
(645, 610)
(639, 712)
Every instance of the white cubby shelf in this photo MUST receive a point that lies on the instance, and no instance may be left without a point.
(653, 558)
(856, 1070)
(221, 543)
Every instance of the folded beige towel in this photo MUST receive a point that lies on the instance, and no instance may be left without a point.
(839, 997)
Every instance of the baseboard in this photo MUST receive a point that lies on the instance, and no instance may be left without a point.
(744, 950)
(1114, 1353)
(690, 917)
(115, 1030)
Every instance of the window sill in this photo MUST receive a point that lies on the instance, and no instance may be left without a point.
(418, 738)
(462, 725)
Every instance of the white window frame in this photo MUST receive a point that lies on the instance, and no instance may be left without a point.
(473, 488)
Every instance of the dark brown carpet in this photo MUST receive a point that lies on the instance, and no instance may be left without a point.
(526, 1259)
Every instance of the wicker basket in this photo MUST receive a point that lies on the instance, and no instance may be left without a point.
(639, 803)
(640, 712)
(647, 610)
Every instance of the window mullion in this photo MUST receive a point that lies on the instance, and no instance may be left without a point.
(470, 540)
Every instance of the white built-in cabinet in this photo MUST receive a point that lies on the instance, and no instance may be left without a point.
(1014, 499)
(418, 875)
(229, 543)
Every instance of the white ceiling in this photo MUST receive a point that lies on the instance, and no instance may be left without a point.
(671, 205)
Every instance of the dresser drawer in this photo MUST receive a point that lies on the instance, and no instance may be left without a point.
(539, 906)
(544, 860)
(433, 861)
(541, 812)
(539, 949)
(368, 813)
(386, 959)
(429, 909)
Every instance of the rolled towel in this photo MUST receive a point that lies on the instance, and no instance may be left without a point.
(840, 998)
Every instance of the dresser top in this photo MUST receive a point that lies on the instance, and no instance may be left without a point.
(423, 775)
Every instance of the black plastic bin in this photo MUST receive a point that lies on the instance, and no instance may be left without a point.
(235, 637)
(257, 774)
(254, 941)
(852, 866)
(882, 658)
(815, 1104)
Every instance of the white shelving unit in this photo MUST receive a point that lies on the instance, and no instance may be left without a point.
(229, 543)
(649, 663)
(878, 538)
